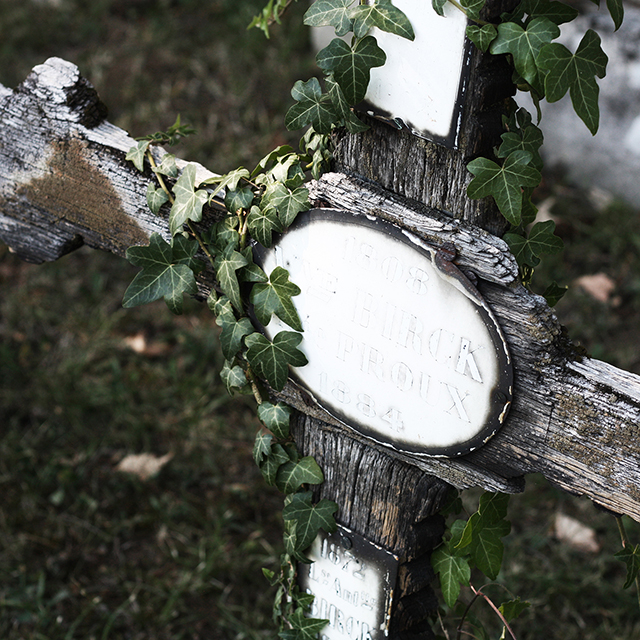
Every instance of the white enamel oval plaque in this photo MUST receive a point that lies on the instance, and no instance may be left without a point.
(401, 346)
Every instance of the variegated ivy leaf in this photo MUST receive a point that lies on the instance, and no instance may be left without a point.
(167, 166)
(525, 44)
(351, 65)
(383, 15)
(276, 418)
(275, 297)
(262, 446)
(136, 154)
(272, 359)
(333, 13)
(233, 377)
(504, 182)
(312, 107)
(226, 265)
(188, 202)
(167, 272)
(262, 223)
(156, 198)
(576, 73)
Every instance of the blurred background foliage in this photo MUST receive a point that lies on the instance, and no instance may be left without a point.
(89, 551)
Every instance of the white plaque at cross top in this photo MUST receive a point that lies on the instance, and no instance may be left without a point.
(401, 346)
(422, 84)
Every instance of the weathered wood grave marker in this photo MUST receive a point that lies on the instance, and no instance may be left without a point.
(410, 234)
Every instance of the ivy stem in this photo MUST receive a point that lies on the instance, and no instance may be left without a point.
(159, 177)
(479, 594)
(627, 543)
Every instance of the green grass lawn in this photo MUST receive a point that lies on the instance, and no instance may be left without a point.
(88, 551)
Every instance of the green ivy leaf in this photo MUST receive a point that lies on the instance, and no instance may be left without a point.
(383, 15)
(251, 272)
(262, 446)
(554, 293)
(275, 297)
(631, 557)
(271, 158)
(312, 107)
(276, 457)
(493, 507)
(542, 239)
(575, 72)
(232, 335)
(513, 608)
(521, 249)
(276, 418)
(483, 36)
(288, 202)
(303, 628)
(238, 199)
(137, 153)
(330, 13)
(530, 139)
(473, 8)
(453, 570)
(272, 359)
(167, 166)
(486, 547)
(262, 223)
(156, 198)
(343, 109)
(167, 272)
(525, 44)
(292, 475)
(226, 265)
(438, 6)
(188, 202)
(504, 182)
(351, 65)
(616, 9)
(309, 517)
(557, 12)
(233, 377)
(224, 234)
(227, 181)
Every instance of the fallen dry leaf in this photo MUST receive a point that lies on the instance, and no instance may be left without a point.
(143, 465)
(599, 286)
(575, 534)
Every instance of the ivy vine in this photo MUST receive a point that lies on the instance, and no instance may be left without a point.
(267, 200)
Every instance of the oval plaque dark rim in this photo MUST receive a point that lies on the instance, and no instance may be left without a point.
(501, 394)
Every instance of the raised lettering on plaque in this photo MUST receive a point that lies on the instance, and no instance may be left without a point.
(401, 346)
(352, 580)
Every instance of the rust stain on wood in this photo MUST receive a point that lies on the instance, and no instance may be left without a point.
(75, 190)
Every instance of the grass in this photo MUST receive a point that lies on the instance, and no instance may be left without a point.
(87, 551)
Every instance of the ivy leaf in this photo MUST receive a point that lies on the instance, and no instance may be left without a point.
(238, 199)
(530, 139)
(232, 335)
(261, 447)
(276, 457)
(275, 297)
(343, 109)
(438, 6)
(521, 249)
(383, 15)
(292, 475)
(189, 202)
(554, 293)
(228, 180)
(487, 548)
(312, 107)
(251, 272)
(575, 72)
(156, 198)
(276, 418)
(303, 628)
(309, 517)
(288, 202)
(233, 377)
(272, 359)
(542, 239)
(525, 44)
(167, 272)
(136, 154)
(226, 264)
(351, 65)
(224, 234)
(513, 608)
(270, 158)
(483, 36)
(333, 13)
(454, 570)
(167, 166)
(504, 182)
(616, 9)
(631, 557)
(473, 8)
(262, 223)
(557, 12)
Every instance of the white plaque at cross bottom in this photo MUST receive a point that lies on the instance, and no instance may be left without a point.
(401, 346)
(352, 581)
